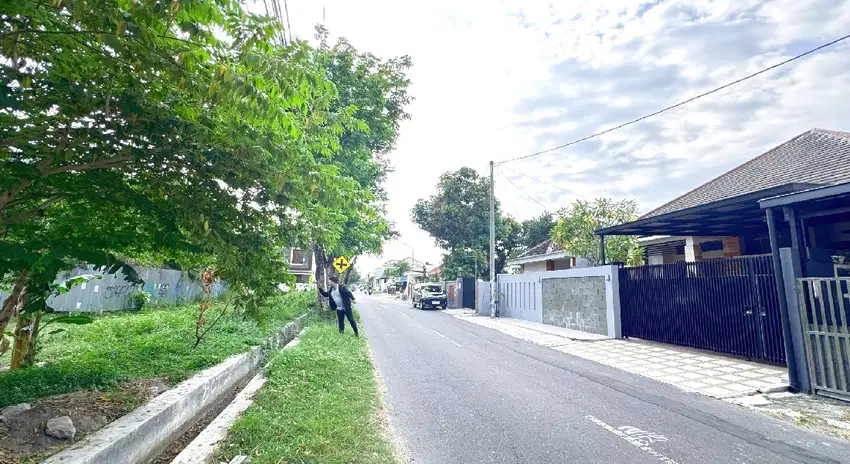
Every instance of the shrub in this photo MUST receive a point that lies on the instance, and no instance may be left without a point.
(139, 299)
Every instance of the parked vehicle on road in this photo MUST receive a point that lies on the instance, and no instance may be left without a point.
(428, 296)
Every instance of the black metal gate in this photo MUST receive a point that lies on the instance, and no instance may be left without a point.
(727, 305)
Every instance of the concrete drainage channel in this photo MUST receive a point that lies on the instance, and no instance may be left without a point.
(144, 434)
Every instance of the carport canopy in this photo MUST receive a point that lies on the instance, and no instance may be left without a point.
(727, 217)
(820, 201)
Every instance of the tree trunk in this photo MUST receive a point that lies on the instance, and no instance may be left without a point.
(12, 305)
(23, 330)
(321, 262)
(32, 343)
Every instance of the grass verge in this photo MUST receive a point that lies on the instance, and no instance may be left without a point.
(320, 405)
(151, 343)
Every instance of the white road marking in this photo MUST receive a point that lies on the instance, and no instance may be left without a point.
(405, 315)
(637, 441)
(447, 338)
(646, 437)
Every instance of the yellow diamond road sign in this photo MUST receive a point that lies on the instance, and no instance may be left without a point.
(341, 264)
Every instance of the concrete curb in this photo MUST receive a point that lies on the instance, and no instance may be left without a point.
(203, 448)
(143, 434)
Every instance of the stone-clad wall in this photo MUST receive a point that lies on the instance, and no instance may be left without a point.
(576, 303)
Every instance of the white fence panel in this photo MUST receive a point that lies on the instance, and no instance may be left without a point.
(482, 303)
(520, 296)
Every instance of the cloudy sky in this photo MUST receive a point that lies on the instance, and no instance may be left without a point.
(497, 80)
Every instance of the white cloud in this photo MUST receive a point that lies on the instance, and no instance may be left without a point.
(496, 80)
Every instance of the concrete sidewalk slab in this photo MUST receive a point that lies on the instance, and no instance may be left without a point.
(533, 336)
(460, 312)
(691, 370)
(824, 415)
(576, 335)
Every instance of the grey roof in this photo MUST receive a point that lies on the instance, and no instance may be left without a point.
(543, 248)
(817, 156)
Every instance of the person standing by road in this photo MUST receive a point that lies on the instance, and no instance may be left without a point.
(340, 298)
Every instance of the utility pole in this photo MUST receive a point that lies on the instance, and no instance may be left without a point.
(492, 246)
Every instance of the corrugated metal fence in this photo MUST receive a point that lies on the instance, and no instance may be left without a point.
(112, 293)
(825, 311)
(728, 305)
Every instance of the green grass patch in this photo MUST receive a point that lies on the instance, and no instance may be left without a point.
(131, 345)
(319, 406)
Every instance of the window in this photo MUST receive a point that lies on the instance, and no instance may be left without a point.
(714, 245)
(432, 289)
(298, 257)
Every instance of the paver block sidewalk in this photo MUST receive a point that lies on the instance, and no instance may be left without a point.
(691, 370)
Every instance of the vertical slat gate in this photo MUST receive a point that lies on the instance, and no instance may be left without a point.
(824, 304)
(728, 305)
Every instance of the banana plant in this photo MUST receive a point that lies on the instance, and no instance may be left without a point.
(32, 318)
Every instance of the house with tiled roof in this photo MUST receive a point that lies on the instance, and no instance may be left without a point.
(435, 272)
(722, 218)
(545, 256)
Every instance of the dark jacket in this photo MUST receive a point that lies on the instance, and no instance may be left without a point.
(347, 298)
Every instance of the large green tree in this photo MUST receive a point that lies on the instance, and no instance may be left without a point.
(398, 270)
(374, 93)
(576, 229)
(537, 230)
(181, 126)
(353, 277)
(457, 216)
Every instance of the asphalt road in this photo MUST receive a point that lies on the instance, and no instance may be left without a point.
(457, 392)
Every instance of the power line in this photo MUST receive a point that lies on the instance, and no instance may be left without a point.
(611, 129)
(546, 183)
(545, 208)
(513, 206)
(288, 27)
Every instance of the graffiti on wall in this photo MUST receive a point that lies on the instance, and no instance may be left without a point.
(111, 292)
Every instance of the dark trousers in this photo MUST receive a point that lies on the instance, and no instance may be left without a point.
(340, 318)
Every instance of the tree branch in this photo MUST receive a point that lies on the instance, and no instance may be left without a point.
(100, 164)
(91, 32)
(10, 193)
(32, 211)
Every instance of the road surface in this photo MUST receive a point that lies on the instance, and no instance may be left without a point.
(457, 392)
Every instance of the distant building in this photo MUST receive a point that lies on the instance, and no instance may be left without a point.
(545, 256)
(301, 264)
(435, 272)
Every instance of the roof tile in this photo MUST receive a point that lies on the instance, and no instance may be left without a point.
(817, 156)
(543, 248)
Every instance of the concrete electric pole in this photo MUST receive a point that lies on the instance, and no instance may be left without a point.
(492, 246)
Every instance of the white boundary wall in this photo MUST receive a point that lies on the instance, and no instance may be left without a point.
(520, 295)
(112, 293)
